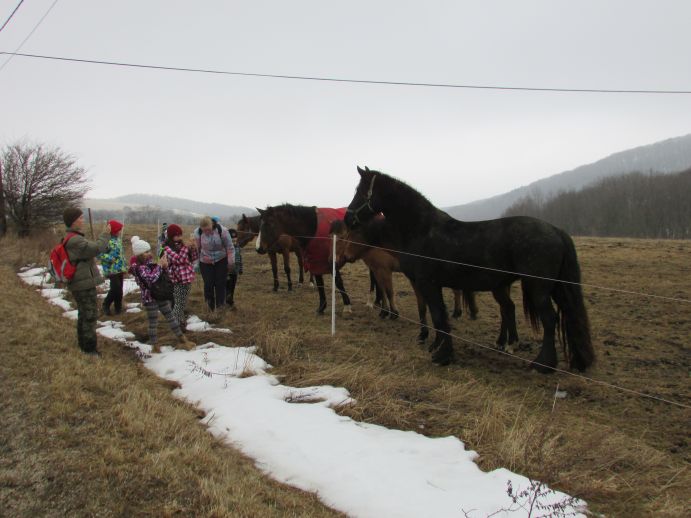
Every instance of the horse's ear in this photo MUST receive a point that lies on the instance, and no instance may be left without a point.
(260, 211)
(367, 169)
(361, 171)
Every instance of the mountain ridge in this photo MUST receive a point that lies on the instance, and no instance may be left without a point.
(666, 156)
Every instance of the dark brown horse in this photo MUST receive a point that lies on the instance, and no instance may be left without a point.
(248, 228)
(309, 226)
(440, 251)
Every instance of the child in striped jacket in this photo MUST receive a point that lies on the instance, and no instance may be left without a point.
(146, 273)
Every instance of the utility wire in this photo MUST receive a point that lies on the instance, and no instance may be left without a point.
(12, 54)
(10, 17)
(345, 80)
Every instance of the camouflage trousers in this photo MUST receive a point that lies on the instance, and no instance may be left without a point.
(87, 315)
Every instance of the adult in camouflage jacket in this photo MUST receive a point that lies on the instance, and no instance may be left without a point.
(82, 253)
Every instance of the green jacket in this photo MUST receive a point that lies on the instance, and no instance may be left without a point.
(83, 252)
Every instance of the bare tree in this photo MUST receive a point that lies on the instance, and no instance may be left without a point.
(39, 183)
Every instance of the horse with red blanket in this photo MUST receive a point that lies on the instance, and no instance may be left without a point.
(310, 226)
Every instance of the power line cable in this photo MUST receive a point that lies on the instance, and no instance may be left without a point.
(12, 54)
(345, 80)
(11, 15)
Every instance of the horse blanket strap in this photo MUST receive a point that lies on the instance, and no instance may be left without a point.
(316, 256)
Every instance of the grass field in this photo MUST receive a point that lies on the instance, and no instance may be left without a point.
(107, 435)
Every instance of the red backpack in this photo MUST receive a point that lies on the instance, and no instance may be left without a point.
(60, 266)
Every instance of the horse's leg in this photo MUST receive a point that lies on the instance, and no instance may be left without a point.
(422, 314)
(347, 308)
(322, 296)
(442, 347)
(301, 268)
(471, 304)
(274, 269)
(286, 267)
(384, 302)
(373, 287)
(388, 288)
(457, 311)
(540, 304)
(508, 332)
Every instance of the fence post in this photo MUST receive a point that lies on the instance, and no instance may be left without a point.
(333, 288)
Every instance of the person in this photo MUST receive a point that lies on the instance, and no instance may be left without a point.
(216, 258)
(235, 272)
(181, 259)
(82, 253)
(146, 273)
(114, 268)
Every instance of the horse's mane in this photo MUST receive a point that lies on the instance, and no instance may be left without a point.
(411, 207)
(296, 211)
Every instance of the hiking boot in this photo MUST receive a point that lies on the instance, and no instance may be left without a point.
(185, 343)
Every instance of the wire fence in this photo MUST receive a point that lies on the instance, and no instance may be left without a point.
(493, 348)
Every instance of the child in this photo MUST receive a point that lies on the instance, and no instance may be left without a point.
(181, 259)
(145, 273)
(114, 268)
(235, 272)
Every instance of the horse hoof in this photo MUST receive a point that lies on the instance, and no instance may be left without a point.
(394, 315)
(473, 316)
(456, 314)
(290, 287)
(347, 309)
(543, 366)
(383, 314)
(443, 355)
(299, 285)
(369, 305)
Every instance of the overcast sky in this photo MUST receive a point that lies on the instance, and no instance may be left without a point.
(258, 141)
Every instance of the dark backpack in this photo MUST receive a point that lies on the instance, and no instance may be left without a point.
(60, 266)
(162, 288)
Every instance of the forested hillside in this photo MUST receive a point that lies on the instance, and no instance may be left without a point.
(633, 205)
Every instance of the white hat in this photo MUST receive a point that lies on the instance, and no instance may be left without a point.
(133, 239)
(140, 246)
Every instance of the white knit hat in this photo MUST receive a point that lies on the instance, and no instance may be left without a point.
(140, 246)
(133, 239)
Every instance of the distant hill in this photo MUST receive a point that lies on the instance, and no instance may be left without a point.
(668, 156)
(182, 206)
(631, 205)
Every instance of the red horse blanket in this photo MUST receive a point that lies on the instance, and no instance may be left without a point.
(316, 256)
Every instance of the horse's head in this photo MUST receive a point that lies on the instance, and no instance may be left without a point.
(270, 231)
(367, 202)
(245, 229)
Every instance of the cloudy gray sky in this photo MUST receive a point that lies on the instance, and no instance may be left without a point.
(257, 141)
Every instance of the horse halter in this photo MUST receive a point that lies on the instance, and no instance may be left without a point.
(367, 204)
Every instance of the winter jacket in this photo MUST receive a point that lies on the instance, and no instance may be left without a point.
(181, 261)
(215, 246)
(238, 259)
(113, 259)
(82, 253)
(145, 274)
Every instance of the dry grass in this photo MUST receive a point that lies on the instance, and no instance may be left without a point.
(625, 455)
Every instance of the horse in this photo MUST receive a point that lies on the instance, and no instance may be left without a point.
(248, 228)
(372, 244)
(438, 250)
(309, 227)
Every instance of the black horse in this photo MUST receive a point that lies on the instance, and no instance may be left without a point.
(483, 256)
(309, 226)
(248, 228)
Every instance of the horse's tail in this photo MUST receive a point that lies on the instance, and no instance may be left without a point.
(573, 317)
